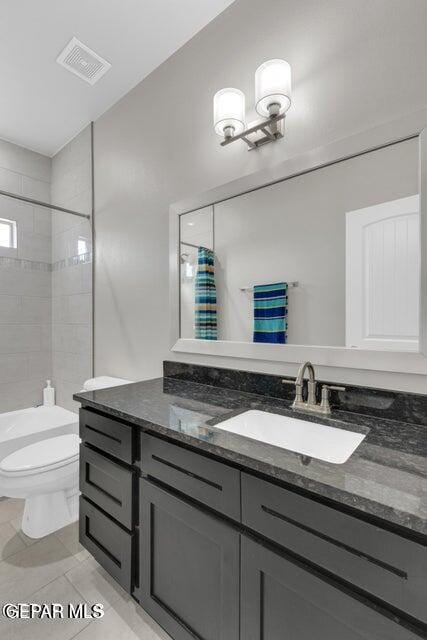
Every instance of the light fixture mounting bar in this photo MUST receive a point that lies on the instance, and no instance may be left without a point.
(268, 127)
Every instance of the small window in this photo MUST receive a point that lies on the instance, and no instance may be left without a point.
(82, 247)
(7, 233)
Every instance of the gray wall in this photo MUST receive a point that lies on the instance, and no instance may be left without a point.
(71, 270)
(25, 280)
(356, 64)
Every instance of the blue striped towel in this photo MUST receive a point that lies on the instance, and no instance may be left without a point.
(270, 313)
(205, 290)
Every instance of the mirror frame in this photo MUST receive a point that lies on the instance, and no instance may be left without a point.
(412, 126)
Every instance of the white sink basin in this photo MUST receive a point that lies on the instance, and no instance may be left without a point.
(309, 438)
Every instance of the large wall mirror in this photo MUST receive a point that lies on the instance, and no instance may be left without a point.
(328, 259)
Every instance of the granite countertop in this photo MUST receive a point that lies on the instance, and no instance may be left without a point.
(386, 476)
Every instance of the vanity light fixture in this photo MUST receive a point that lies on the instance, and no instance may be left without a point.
(272, 100)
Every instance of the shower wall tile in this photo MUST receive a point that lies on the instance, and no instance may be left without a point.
(10, 181)
(46, 337)
(21, 212)
(64, 395)
(71, 270)
(24, 162)
(74, 338)
(70, 367)
(71, 184)
(72, 242)
(61, 222)
(73, 309)
(21, 394)
(24, 310)
(46, 283)
(43, 221)
(35, 247)
(80, 307)
(37, 189)
(71, 280)
(25, 281)
(10, 308)
(25, 366)
(39, 365)
(20, 338)
(12, 367)
(36, 310)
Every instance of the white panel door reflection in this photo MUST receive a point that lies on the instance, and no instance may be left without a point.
(383, 276)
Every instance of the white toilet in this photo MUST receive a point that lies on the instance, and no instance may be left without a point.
(46, 474)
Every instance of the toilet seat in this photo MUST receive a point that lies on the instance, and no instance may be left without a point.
(41, 456)
(46, 475)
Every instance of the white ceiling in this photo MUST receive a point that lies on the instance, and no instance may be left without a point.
(42, 106)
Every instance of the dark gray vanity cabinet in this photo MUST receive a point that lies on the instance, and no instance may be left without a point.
(379, 562)
(189, 568)
(281, 599)
(214, 552)
(108, 501)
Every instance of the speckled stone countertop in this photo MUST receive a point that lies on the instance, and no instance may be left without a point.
(386, 477)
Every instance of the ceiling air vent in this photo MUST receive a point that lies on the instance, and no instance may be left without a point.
(83, 62)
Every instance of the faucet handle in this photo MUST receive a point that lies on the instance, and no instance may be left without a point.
(333, 387)
(288, 381)
(324, 404)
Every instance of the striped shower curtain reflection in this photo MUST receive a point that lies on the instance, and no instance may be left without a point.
(205, 296)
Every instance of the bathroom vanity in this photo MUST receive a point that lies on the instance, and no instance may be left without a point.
(222, 537)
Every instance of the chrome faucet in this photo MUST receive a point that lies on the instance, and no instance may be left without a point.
(311, 386)
(310, 405)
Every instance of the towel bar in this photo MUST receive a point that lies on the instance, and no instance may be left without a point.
(291, 285)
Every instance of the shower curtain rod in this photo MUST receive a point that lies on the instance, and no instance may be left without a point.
(39, 203)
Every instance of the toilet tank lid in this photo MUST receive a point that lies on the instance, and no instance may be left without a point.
(42, 454)
(103, 382)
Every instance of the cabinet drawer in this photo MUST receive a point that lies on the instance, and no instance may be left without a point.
(207, 481)
(381, 563)
(106, 434)
(109, 544)
(108, 484)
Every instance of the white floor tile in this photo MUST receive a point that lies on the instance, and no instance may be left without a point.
(113, 626)
(59, 591)
(10, 541)
(10, 509)
(69, 536)
(58, 569)
(94, 584)
(142, 625)
(16, 524)
(33, 568)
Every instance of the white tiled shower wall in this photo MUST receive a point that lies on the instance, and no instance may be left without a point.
(45, 285)
(25, 280)
(71, 188)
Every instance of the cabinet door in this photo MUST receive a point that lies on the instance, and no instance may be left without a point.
(189, 568)
(281, 600)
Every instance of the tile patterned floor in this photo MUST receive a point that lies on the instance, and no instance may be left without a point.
(57, 569)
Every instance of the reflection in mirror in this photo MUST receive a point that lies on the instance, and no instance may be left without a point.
(327, 258)
(197, 275)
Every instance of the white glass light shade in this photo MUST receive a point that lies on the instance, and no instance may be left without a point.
(273, 87)
(229, 111)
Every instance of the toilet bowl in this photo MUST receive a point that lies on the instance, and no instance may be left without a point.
(46, 475)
